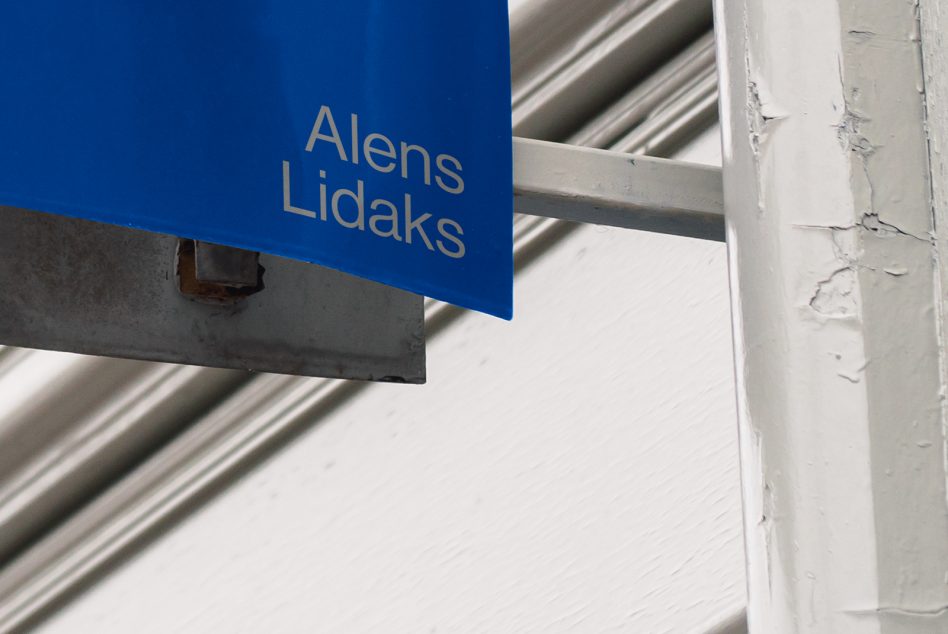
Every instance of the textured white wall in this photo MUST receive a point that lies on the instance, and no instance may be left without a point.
(573, 471)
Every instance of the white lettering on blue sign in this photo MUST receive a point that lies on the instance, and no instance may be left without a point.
(410, 161)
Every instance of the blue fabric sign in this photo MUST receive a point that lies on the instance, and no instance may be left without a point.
(370, 136)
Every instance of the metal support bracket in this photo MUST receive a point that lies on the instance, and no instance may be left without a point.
(80, 286)
(616, 189)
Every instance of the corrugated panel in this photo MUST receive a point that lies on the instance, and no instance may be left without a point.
(96, 455)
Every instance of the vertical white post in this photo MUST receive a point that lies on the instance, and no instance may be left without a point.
(837, 290)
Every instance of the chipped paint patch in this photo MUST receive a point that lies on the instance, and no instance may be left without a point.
(835, 297)
(896, 271)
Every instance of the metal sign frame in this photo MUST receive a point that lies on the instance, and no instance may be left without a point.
(81, 286)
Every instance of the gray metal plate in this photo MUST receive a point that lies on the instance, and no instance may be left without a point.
(80, 286)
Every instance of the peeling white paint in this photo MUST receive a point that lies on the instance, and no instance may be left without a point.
(835, 297)
(834, 284)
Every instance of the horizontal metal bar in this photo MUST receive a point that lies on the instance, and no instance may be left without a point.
(616, 189)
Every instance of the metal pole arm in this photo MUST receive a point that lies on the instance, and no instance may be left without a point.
(616, 189)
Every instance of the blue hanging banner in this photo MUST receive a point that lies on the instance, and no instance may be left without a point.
(370, 136)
